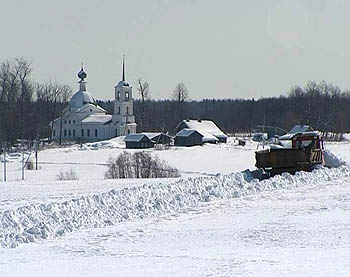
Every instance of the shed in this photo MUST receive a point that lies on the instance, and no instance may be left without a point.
(210, 131)
(138, 141)
(188, 137)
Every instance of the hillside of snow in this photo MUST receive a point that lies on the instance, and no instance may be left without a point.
(213, 221)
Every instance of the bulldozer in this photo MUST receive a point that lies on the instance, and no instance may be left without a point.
(294, 152)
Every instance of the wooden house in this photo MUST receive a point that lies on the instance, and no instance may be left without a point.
(188, 137)
(210, 132)
(138, 141)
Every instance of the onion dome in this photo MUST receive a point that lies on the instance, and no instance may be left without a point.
(82, 74)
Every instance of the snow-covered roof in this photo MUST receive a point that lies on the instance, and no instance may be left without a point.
(300, 129)
(134, 137)
(206, 127)
(80, 98)
(186, 132)
(291, 136)
(153, 135)
(97, 118)
(122, 84)
(207, 137)
(137, 137)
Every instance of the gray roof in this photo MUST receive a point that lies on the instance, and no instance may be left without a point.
(134, 137)
(186, 132)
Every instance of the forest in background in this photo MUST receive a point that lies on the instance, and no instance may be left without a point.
(27, 107)
(323, 106)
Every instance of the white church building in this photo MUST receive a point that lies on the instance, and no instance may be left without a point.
(84, 120)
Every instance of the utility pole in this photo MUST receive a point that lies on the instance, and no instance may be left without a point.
(81, 133)
(36, 158)
(60, 141)
(4, 163)
(37, 147)
(22, 162)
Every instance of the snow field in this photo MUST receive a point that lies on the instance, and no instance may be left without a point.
(40, 221)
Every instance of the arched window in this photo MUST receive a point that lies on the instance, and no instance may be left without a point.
(74, 133)
(126, 96)
(128, 131)
(118, 96)
(116, 132)
(127, 110)
(119, 110)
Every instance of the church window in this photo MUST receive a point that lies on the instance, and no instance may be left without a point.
(65, 132)
(126, 96)
(119, 110)
(88, 132)
(128, 131)
(69, 132)
(73, 121)
(73, 133)
(54, 132)
(68, 121)
(116, 132)
(118, 97)
(90, 110)
(82, 132)
(65, 122)
(95, 132)
(127, 110)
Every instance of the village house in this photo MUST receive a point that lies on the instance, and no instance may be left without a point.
(146, 140)
(188, 137)
(208, 129)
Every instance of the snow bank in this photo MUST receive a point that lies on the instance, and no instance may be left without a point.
(117, 142)
(48, 220)
(332, 160)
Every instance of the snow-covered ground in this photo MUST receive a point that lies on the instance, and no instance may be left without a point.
(203, 224)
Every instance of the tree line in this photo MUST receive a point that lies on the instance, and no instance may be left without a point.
(27, 107)
(323, 106)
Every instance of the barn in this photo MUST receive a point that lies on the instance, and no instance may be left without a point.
(138, 141)
(208, 129)
(188, 137)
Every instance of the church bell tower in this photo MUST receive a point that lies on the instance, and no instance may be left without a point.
(123, 117)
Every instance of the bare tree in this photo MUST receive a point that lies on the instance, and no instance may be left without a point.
(180, 96)
(51, 97)
(145, 95)
(180, 93)
(24, 69)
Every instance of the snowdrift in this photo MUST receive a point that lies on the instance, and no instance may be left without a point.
(332, 160)
(48, 220)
